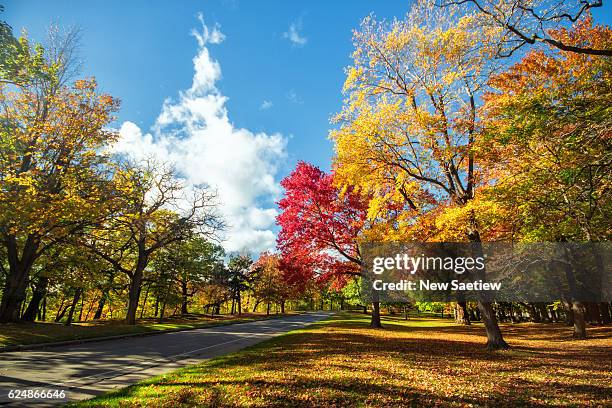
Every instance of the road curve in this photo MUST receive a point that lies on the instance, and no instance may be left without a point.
(85, 370)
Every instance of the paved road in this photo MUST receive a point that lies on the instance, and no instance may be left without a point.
(85, 370)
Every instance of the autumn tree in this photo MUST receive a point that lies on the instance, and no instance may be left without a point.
(155, 212)
(548, 144)
(267, 281)
(320, 225)
(52, 171)
(239, 267)
(186, 266)
(408, 127)
(531, 22)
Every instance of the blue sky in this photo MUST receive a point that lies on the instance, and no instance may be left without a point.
(231, 92)
(141, 51)
(250, 91)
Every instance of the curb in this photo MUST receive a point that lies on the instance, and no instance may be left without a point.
(26, 347)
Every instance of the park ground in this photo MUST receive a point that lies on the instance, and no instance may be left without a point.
(24, 334)
(420, 362)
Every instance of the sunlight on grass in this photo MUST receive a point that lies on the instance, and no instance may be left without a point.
(428, 361)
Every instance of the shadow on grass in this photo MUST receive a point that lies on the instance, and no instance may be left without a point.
(342, 362)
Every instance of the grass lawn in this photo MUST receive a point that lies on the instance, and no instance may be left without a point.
(421, 362)
(12, 334)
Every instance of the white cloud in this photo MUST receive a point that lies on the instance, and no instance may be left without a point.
(293, 34)
(265, 105)
(195, 134)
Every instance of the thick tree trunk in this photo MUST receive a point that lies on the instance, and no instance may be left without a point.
(75, 301)
(495, 340)
(239, 300)
(40, 291)
(578, 310)
(16, 282)
(257, 302)
(375, 322)
(282, 305)
(134, 293)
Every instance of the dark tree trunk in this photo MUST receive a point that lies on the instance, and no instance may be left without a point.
(593, 315)
(162, 311)
(239, 300)
(282, 305)
(134, 294)
(39, 293)
(61, 311)
(16, 282)
(43, 317)
(375, 322)
(100, 309)
(268, 309)
(605, 313)
(81, 309)
(75, 301)
(256, 304)
(569, 313)
(144, 301)
(184, 298)
(543, 312)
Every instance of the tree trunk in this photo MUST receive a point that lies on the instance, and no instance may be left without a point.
(461, 314)
(134, 294)
(75, 300)
(81, 309)
(100, 308)
(184, 298)
(375, 322)
(495, 340)
(605, 313)
(144, 301)
(16, 282)
(579, 321)
(268, 309)
(40, 291)
(256, 304)
(61, 310)
(543, 312)
(239, 300)
(44, 310)
(162, 311)
(282, 305)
